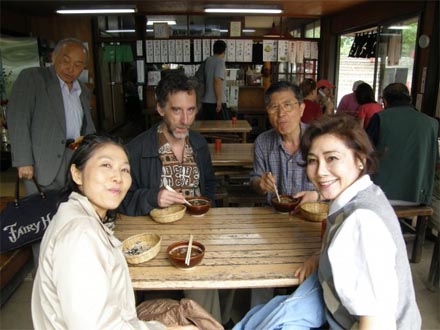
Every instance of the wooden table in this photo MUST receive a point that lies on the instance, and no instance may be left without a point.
(222, 126)
(245, 248)
(233, 155)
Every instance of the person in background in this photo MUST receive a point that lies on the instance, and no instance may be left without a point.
(49, 108)
(367, 105)
(406, 140)
(83, 280)
(348, 102)
(312, 109)
(214, 100)
(169, 153)
(325, 96)
(363, 266)
(277, 156)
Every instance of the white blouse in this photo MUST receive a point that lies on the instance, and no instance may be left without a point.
(362, 257)
(82, 280)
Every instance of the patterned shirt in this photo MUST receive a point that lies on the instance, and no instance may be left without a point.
(182, 176)
(271, 156)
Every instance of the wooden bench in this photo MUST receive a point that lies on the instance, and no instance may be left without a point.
(14, 265)
(423, 213)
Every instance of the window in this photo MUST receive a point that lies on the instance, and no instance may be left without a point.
(116, 26)
(313, 30)
(391, 58)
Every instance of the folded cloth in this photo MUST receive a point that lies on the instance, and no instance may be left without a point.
(303, 309)
(172, 312)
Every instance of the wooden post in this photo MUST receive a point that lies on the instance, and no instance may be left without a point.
(266, 75)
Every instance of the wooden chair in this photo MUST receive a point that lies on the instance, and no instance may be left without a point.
(423, 214)
(434, 269)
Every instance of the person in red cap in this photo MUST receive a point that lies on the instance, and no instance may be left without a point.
(325, 88)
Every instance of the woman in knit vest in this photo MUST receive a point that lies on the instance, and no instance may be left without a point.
(363, 265)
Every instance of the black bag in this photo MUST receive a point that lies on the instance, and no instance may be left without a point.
(200, 77)
(25, 220)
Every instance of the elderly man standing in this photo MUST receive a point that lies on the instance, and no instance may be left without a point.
(171, 154)
(48, 109)
(406, 140)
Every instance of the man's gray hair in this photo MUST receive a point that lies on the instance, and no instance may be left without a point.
(69, 41)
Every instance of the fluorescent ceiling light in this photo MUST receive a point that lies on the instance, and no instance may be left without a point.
(121, 31)
(126, 31)
(96, 11)
(399, 27)
(242, 11)
(161, 21)
(226, 30)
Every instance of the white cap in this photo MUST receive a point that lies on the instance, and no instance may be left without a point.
(356, 84)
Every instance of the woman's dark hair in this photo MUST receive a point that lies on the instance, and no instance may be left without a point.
(348, 129)
(282, 86)
(307, 86)
(85, 151)
(172, 82)
(364, 94)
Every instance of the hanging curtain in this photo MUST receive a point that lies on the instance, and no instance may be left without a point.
(372, 41)
(354, 46)
(364, 45)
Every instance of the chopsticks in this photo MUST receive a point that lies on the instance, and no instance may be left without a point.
(167, 187)
(188, 252)
(276, 190)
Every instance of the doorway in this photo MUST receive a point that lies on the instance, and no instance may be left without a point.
(120, 101)
(378, 56)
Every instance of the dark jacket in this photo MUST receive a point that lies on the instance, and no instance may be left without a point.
(37, 122)
(146, 171)
(406, 140)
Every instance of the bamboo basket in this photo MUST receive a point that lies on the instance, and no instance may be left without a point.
(314, 211)
(168, 214)
(150, 244)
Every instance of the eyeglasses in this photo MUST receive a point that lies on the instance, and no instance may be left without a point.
(286, 106)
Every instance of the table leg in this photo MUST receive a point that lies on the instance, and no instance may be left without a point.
(434, 269)
(244, 137)
(422, 224)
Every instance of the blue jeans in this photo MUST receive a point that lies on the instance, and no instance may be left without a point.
(303, 309)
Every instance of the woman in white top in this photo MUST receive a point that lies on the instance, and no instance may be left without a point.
(82, 280)
(363, 265)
